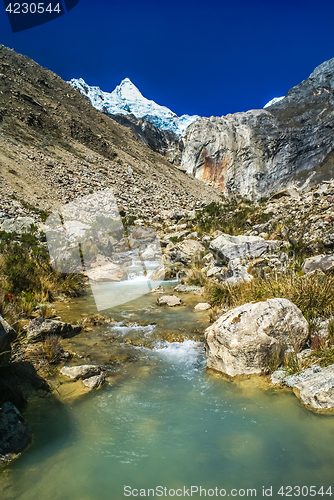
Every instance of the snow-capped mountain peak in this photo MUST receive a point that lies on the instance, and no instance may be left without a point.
(127, 90)
(273, 101)
(127, 98)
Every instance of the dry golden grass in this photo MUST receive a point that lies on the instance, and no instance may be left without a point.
(27, 280)
(312, 294)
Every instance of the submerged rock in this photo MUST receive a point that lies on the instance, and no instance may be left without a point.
(40, 328)
(202, 306)
(14, 432)
(169, 300)
(94, 382)
(80, 372)
(158, 289)
(242, 340)
(198, 290)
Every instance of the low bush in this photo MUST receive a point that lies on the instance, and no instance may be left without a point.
(27, 278)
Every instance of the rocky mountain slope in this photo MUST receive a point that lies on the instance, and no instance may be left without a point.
(165, 142)
(55, 147)
(256, 153)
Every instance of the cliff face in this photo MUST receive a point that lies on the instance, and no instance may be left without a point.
(165, 142)
(261, 151)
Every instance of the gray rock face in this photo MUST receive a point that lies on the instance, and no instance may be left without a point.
(238, 275)
(262, 151)
(7, 336)
(185, 251)
(14, 432)
(18, 225)
(81, 372)
(241, 340)
(40, 328)
(322, 262)
(317, 390)
(314, 386)
(234, 247)
(198, 290)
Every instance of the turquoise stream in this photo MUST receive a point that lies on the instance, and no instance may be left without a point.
(164, 421)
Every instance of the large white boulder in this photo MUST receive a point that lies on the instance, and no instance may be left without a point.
(241, 340)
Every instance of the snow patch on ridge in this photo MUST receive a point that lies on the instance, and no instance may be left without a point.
(127, 99)
(273, 101)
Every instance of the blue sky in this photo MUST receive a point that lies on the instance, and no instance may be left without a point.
(208, 57)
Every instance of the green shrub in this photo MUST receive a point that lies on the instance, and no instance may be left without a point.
(229, 217)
